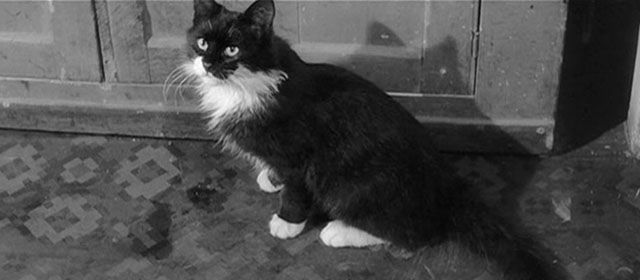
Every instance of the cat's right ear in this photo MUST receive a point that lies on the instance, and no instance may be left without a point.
(205, 10)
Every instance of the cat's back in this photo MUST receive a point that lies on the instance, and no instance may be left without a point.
(344, 107)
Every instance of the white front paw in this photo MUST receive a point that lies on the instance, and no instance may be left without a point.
(282, 229)
(265, 183)
(338, 234)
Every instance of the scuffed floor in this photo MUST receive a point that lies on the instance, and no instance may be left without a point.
(93, 207)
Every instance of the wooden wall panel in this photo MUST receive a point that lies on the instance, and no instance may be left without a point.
(169, 21)
(54, 40)
(380, 23)
(449, 57)
(130, 32)
(401, 45)
(520, 55)
(379, 40)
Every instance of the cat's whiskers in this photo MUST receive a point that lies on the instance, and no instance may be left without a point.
(177, 79)
(169, 80)
(179, 89)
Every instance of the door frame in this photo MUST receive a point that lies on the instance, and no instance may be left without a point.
(633, 120)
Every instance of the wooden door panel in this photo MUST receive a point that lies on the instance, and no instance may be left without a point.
(381, 41)
(521, 47)
(54, 40)
(357, 22)
(449, 57)
(168, 23)
(129, 31)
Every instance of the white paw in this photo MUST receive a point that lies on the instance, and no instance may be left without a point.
(282, 229)
(337, 234)
(265, 184)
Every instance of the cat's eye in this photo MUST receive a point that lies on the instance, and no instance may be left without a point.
(202, 44)
(231, 51)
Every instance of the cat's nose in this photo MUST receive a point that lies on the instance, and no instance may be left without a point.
(206, 65)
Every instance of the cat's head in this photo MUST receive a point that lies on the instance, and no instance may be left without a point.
(221, 41)
(232, 61)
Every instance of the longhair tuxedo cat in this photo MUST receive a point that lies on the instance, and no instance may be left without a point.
(325, 137)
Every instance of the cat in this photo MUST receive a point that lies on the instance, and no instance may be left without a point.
(324, 137)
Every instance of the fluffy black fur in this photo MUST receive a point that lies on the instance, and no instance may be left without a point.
(339, 142)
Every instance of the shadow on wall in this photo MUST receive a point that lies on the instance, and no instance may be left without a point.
(437, 71)
(597, 69)
(441, 70)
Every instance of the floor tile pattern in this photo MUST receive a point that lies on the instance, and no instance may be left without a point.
(94, 207)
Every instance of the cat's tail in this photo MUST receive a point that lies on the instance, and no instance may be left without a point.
(517, 254)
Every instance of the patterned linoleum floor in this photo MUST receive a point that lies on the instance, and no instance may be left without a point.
(93, 207)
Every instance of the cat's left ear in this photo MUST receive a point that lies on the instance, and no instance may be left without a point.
(206, 9)
(261, 13)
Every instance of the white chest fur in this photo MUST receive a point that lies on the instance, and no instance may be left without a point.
(243, 93)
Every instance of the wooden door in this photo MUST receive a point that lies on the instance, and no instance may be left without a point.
(48, 40)
(481, 75)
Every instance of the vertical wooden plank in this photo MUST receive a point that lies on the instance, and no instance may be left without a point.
(106, 45)
(520, 54)
(169, 21)
(448, 65)
(75, 36)
(633, 121)
(129, 32)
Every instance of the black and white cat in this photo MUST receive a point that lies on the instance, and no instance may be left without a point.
(336, 141)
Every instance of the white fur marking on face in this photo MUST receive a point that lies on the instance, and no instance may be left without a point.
(242, 93)
(198, 68)
(338, 234)
(265, 183)
(282, 229)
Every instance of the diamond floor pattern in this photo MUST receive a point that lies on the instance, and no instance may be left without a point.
(93, 207)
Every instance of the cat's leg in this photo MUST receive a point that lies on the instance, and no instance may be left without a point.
(295, 205)
(267, 181)
(338, 234)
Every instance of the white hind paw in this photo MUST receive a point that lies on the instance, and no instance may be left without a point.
(337, 234)
(282, 229)
(265, 183)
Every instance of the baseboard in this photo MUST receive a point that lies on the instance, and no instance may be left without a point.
(143, 111)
